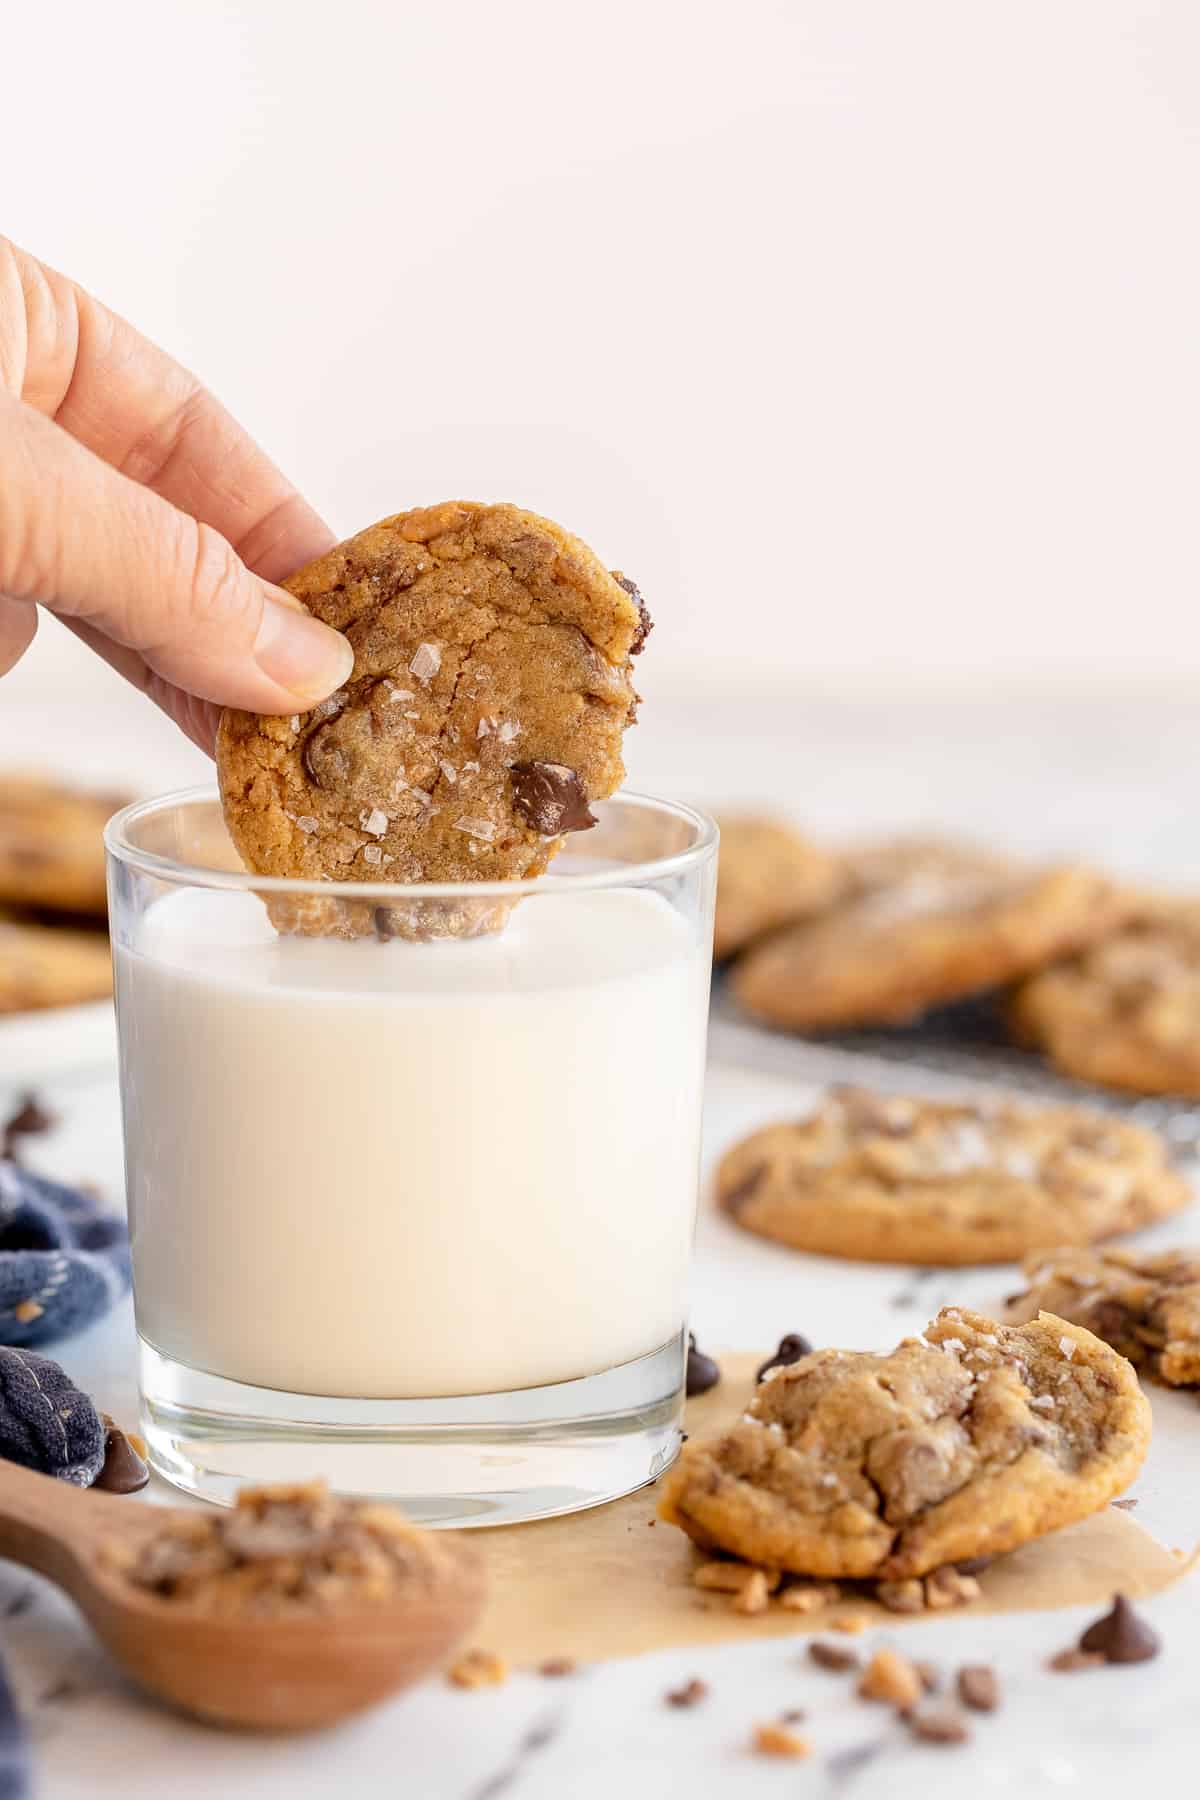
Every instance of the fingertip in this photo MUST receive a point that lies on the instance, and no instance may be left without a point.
(299, 654)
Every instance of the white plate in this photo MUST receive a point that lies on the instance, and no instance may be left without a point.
(62, 1040)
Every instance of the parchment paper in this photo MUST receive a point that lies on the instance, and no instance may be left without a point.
(610, 1582)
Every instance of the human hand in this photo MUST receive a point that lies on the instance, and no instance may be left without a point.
(135, 508)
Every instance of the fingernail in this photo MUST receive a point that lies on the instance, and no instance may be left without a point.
(307, 658)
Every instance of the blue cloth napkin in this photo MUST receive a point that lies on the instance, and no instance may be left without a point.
(46, 1423)
(63, 1261)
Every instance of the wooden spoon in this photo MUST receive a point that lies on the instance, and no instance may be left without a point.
(278, 1673)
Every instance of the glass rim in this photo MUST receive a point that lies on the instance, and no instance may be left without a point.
(122, 850)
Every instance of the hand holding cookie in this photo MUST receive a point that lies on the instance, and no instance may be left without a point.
(135, 508)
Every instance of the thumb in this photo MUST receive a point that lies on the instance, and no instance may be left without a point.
(93, 546)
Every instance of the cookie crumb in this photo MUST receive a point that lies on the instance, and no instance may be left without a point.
(978, 1687)
(733, 1577)
(939, 1725)
(690, 1694)
(478, 1668)
(804, 1597)
(777, 1740)
(891, 1678)
(754, 1595)
(901, 1596)
(850, 1623)
(947, 1587)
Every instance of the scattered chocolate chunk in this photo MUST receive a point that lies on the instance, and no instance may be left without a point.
(381, 918)
(833, 1656)
(790, 1349)
(550, 797)
(1120, 1636)
(123, 1470)
(557, 1666)
(702, 1372)
(901, 1596)
(690, 1694)
(938, 1725)
(795, 1715)
(1068, 1662)
(978, 1687)
(645, 622)
(29, 1120)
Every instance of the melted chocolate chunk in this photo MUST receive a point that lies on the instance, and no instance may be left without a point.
(550, 798)
(124, 1471)
(646, 623)
(381, 918)
(702, 1372)
(1120, 1636)
(791, 1349)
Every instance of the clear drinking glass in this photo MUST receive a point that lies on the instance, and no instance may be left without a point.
(413, 1212)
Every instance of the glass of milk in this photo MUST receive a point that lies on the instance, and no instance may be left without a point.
(414, 1214)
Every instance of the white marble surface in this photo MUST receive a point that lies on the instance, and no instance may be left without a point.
(1108, 777)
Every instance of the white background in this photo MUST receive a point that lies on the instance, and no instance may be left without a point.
(863, 333)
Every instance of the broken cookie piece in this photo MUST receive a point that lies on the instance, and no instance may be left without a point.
(1146, 1304)
(964, 1442)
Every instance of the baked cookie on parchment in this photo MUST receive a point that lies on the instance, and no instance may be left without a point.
(967, 1441)
(51, 844)
(491, 686)
(43, 966)
(886, 1178)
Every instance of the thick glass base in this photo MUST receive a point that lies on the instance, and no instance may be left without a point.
(487, 1459)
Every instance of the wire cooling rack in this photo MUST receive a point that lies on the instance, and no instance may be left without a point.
(961, 1048)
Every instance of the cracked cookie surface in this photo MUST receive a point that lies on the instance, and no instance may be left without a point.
(885, 1178)
(925, 924)
(965, 1442)
(768, 874)
(1126, 1013)
(1145, 1304)
(490, 690)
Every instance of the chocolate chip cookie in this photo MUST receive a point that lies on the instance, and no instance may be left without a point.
(1145, 1304)
(490, 689)
(882, 1178)
(1126, 1013)
(926, 924)
(965, 1442)
(768, 874)
(51, 844)
(43, 966)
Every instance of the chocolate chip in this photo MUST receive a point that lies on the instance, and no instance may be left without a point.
(645, 622)
(790, 1349)
(835, 1657)
(30, 1119)
(557, 1666)
(550, 797)
(1067, 1662)
(124, 1471)
(736, 1198)
(1125, 1505)
(702, 1372)
(1120, 1636)
(938, 1725)
(978, 1687)
(690, 1694)
(795, 1715)
(381, 918)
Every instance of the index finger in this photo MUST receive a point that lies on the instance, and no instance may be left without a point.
(145, 414)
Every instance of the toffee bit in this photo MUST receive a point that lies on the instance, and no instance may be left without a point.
(777, 1740)
(476, 1669)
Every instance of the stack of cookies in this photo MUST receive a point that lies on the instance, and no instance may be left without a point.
(1102, 979)
(53, 935)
